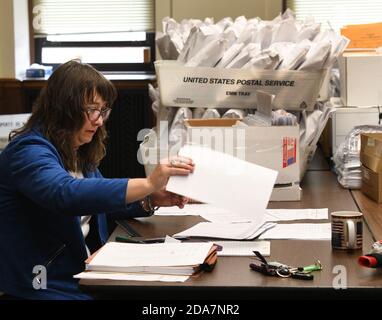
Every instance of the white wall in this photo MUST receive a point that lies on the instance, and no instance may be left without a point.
(7, 53)
(21, 36)
(14, 38)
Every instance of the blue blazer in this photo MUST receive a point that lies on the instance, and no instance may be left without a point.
(40, 210)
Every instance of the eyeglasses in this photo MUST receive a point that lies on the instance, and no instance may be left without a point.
(94, 113)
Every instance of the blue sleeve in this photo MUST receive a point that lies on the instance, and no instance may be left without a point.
(131, 210)
(38, 174)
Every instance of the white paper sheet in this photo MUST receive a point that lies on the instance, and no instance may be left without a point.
(214, 214)
(235, 231)
(206, 211)
(189, 210)
(130, 276)
(226, 182)
(243, 248)
(169, 239)
(296, 214)
(303, 231)
(224, 217)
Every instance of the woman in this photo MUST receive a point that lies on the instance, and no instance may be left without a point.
(53, 200)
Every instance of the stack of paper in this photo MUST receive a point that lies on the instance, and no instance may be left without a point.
(125, 276)
(158, 258)
(229, 183)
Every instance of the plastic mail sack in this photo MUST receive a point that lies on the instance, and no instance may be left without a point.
(235, 88)
(347, 157)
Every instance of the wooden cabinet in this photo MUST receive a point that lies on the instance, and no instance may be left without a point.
(131, 113)
(11, 96)
(31, 90)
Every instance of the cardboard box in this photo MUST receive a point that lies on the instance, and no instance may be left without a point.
(371, 151)
(288, 188)
(151, 152)
(10, 122)
(372, 184)
(275, 147)
(235, 88)
(361, 78)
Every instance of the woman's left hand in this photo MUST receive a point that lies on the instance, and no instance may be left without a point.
(163, 198)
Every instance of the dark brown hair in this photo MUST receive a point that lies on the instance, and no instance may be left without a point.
(59, 113)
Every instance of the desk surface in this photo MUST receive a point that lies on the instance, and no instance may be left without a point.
(372, 212)
(232, 277)
(318, 163)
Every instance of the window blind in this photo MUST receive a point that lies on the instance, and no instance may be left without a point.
(92, 16)
(337, 13)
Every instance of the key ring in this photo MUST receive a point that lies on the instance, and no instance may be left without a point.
(283, 272)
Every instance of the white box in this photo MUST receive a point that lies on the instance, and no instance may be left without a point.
(361, 79)
(275, 147)
(10, 122)
(288, 188)
(345, 119)
(235, 88)
(290, 193)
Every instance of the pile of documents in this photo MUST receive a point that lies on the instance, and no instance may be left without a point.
(283, 43)
(236, 194)
(241, 188)
(224, 224)
(363, 36)
(157, 261)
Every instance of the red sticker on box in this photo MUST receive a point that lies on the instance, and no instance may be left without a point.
(289, 151)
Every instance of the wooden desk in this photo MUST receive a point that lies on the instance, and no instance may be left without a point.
(372, 213)
(232, 278)
(319, 162)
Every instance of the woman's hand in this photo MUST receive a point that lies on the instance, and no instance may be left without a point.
(139, 188)
(177, 166)
(163, 198)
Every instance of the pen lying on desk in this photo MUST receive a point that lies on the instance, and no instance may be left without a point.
(144, 240)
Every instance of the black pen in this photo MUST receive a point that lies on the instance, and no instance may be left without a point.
(127, 239)
(145, 240)
(160, 239)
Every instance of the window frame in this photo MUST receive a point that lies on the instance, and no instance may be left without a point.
(40, 42)
(36, 44)
(284, 5)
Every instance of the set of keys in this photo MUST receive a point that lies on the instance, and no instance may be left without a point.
(278, 269)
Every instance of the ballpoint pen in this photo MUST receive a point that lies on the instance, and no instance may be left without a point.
(127, 239)
(145, 240)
